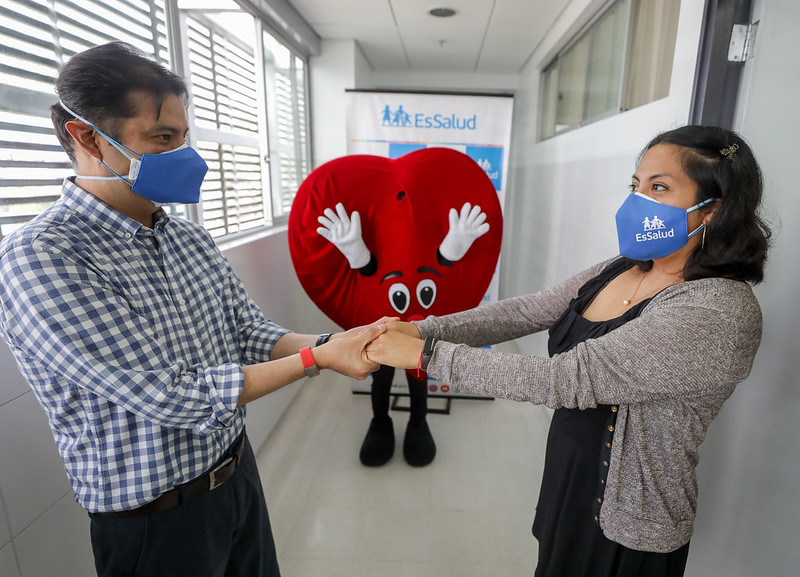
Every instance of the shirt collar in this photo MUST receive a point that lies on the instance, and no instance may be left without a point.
(92, 208)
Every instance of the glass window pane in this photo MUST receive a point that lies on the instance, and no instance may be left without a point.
(285, 77)
(550, 101)
(652, 50)
(608, 39)
(572, 84)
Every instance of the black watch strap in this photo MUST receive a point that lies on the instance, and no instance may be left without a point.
(427, 351)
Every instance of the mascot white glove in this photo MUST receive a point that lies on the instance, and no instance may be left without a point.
(464, 229)
(345, 234)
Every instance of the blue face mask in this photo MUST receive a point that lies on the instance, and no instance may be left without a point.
(172, 176)
(648, 229)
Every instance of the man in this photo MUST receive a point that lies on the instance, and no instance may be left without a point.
(140, 341)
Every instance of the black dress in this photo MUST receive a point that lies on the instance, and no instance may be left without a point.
(571, 543)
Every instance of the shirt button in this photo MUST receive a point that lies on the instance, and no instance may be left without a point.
(602, 481)
(608, 445)
(605, 463)
(596, 519)
(611, 428)
(599, 500)
(614, 408)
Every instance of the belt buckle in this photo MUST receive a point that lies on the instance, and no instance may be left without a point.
(212, 476)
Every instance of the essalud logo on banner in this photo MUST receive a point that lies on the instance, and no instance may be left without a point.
(401, 118)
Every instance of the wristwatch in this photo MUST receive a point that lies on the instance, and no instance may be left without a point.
(427, 351)
(322, 339)
(308, 362)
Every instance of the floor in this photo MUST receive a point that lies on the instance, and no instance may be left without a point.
(468, 514)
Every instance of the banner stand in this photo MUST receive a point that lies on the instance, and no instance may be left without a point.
(394, 123)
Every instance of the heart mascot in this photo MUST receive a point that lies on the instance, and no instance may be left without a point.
(413, 236)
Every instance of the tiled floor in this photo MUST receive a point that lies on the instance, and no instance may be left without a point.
(468, 514)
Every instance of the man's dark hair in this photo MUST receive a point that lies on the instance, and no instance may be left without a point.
(97, 83)
(723, 166)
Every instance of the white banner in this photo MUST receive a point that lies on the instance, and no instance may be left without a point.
(392, 124)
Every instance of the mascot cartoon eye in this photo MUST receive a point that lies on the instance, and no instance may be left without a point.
(399, 297)
(426, 292)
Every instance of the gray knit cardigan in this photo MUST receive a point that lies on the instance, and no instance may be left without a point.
(669, 370)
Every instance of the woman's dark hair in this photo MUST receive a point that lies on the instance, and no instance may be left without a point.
(97, 83)
(722, 165)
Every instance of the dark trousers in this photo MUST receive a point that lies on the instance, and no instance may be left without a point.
(221, 533)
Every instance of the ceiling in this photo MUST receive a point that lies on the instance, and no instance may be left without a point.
(484, 36)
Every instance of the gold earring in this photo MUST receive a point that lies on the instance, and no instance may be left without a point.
(703, 242)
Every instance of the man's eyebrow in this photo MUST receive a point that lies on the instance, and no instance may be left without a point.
(429, 269)
(165, 128)
(392, 274)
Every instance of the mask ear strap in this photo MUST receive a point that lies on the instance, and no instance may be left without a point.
(119, 146)
(701, 204)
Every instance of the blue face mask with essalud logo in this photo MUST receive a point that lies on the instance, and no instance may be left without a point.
(648, 229)
(172, 176)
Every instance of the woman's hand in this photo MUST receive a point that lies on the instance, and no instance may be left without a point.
(396, 347)
(409, 329)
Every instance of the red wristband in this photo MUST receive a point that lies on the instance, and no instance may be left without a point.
(308, 362)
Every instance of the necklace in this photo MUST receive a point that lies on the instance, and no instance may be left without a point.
(627, 302)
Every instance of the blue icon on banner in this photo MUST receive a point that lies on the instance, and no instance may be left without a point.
(397, 118)
(490, 159)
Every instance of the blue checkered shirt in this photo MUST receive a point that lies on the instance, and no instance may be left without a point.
(132, 339)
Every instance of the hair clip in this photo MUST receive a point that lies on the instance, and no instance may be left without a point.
(729, 151)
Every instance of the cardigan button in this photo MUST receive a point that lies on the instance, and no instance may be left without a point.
(611, 428)
(605, 463)
(614, 408)
(608, 445)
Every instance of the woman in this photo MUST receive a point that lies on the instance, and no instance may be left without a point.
(644, 350)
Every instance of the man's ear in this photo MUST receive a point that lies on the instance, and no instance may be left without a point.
(84, 137)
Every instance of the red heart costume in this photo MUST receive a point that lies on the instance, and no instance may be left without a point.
(404, 205)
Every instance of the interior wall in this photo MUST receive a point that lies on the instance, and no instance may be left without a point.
(749, 472)
(42, 530)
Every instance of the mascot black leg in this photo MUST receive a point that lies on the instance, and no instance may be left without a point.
(418, 446)
(378, 445)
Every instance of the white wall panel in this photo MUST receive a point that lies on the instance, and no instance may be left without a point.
(8, 563)
(32, 477)
(57, 544)
(12, 384)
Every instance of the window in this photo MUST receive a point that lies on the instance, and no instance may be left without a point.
(36, 38)
(621, 60)
(288, 121)
(248, 106)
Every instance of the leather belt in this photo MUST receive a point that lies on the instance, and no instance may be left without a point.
(208, 481)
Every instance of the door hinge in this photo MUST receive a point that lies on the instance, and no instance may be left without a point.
(743, 38)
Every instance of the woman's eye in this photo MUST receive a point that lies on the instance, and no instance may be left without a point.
(659, 187)
(632, 187)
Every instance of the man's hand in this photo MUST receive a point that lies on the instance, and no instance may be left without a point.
(345, 352)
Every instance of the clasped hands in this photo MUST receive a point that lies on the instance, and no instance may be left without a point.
(361, 350)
